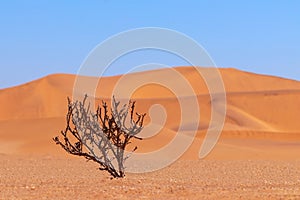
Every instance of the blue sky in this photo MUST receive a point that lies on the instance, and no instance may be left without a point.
(44, 37)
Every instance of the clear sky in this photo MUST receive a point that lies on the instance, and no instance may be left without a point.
(40, 37)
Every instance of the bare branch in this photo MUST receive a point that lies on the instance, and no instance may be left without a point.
(102, 136)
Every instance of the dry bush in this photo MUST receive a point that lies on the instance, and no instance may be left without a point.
(102, 136)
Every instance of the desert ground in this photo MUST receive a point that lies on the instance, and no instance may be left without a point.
(257, 155)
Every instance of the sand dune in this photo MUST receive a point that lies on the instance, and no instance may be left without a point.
(256, 157)
(258, 107)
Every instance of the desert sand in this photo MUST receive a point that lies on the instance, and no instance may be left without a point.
(256, 157)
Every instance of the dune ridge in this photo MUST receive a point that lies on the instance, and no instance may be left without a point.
(256, 104)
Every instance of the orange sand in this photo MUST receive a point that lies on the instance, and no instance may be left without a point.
(262, 121)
